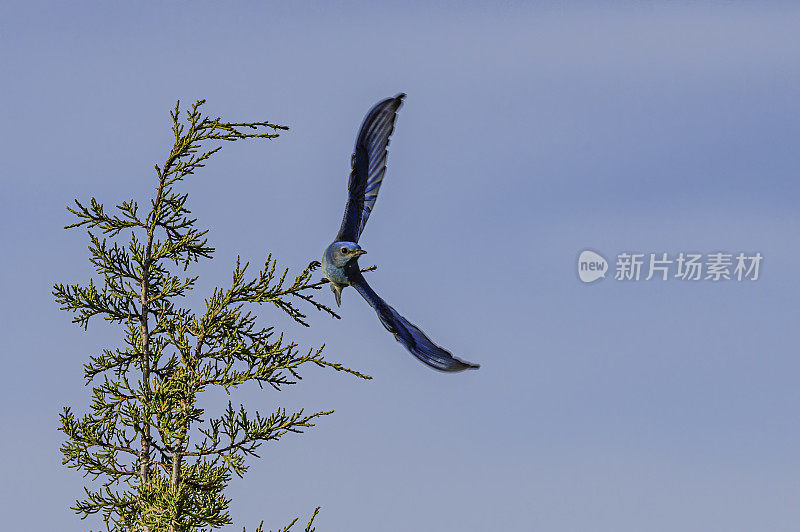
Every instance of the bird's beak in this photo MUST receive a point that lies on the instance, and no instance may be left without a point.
(360, 252)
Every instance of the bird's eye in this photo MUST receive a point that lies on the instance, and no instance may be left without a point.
(344, 251)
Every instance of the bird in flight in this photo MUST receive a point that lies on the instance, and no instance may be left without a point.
(340, 261)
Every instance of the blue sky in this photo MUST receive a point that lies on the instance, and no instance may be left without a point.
(530, 133)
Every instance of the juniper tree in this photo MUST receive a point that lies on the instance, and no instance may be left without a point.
(162, 464)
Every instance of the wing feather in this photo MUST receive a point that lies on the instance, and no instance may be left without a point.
(368, 167)
(405, 332)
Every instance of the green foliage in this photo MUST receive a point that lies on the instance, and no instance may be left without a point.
(162, 463)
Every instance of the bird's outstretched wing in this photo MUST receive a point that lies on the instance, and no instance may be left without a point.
(406, 332)
(368, 166)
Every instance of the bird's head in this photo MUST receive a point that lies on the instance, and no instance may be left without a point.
(340, 253)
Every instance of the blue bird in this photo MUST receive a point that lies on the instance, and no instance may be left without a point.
(340, 261)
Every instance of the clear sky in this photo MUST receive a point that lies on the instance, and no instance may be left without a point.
(530, 133)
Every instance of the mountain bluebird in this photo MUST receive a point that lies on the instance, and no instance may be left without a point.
(340, 261)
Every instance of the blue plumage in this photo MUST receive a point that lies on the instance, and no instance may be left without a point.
(340, 260)
(368, 165)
